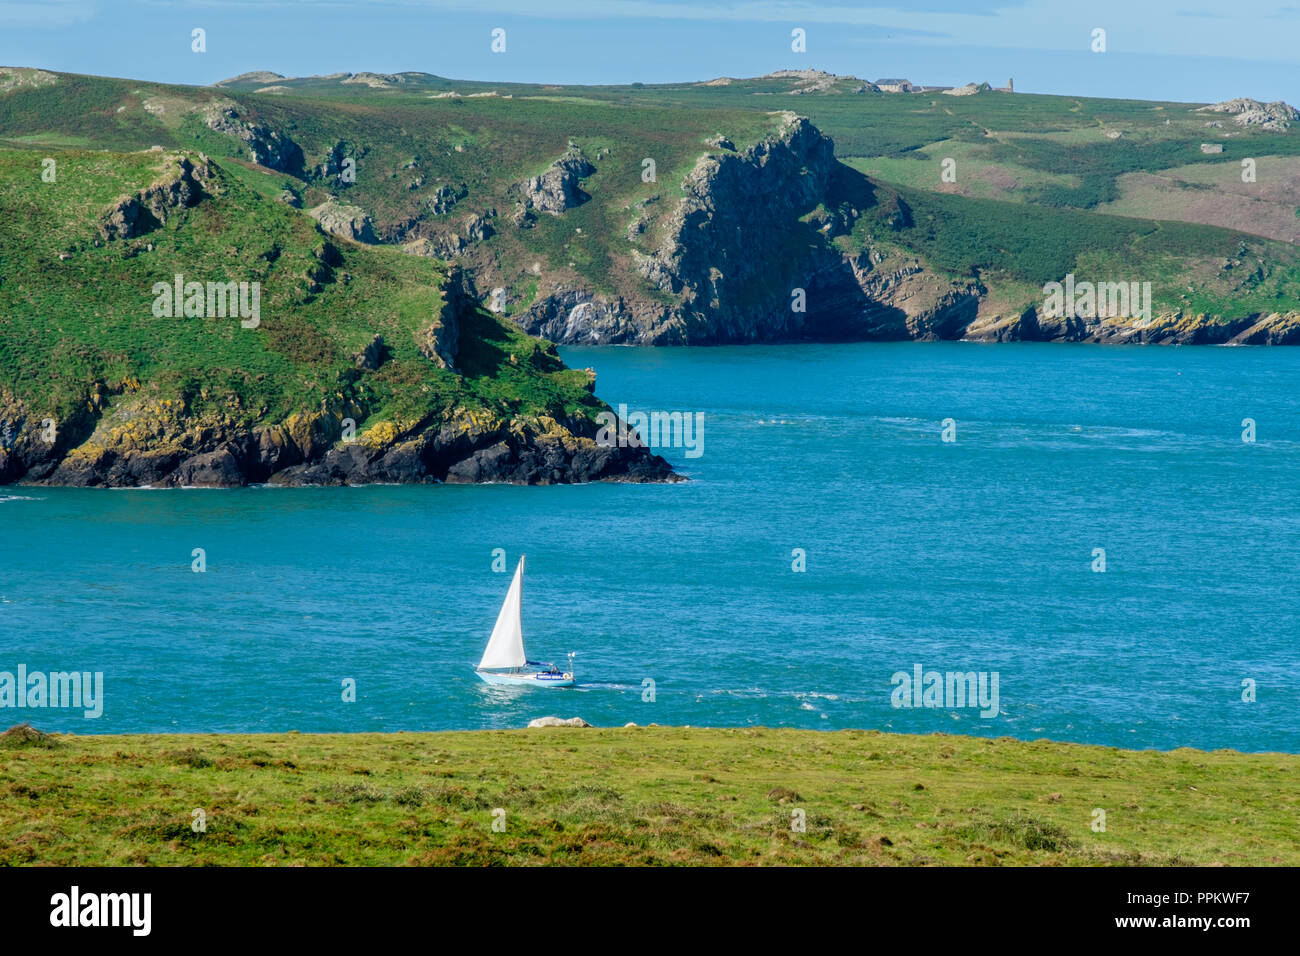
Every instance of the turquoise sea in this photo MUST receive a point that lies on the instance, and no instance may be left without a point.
(972, 555)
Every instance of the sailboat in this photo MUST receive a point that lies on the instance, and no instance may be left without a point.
(504, 661)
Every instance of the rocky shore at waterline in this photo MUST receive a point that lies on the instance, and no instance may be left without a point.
(153, 443)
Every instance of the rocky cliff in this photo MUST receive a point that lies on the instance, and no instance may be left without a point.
(677, 216)
(749, 254)
(1173, 328)
(162, 444)
(763, 248)
(363, 364)
(771, 240)
(126, 437)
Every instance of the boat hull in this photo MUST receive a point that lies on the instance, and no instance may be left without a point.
(526, 678)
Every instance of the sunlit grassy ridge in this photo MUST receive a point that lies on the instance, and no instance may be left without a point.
(1043, 186)
(1031, 171)
(636, 796)
(1192, 267)
(77, 310)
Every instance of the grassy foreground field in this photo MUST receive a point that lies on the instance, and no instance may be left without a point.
(658, 795)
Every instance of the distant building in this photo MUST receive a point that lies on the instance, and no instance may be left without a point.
(895, 86)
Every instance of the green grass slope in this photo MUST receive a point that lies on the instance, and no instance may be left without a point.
(79, 337)
(1038, 149)
(657, 796)
(1014, 249)
(76, 309)
(1045, 185)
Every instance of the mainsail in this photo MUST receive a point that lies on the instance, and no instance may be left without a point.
(506, 647)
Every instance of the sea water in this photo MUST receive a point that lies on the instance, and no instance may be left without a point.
(829, 541)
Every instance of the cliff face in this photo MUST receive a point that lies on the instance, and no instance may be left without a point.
(359, 365)
(133, 216)
(751, 230)
(755, 252)
(734, 249)
(266, 147)
(748, 255)
(1163, 329)
(468, 448)
(126, 437)
(771, 240)
(147, 443)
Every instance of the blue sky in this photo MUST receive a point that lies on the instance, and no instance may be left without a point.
(1193, 50)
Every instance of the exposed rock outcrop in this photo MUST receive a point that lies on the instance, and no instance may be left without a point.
(17, 77)
(1275, 117)
(334, 164)
(266, 146)
(1174, 328)
(180, 188)
(749, 256)
(558, 722)
(438, 245)
(30, 445)
(557, 189)
(344, 220)
(440, 339)
(815, 81)
(478, 226)
(576, 316)
(969, 89)
(469, 449)
(253, 76)
(723, 240)
(378, 81)
(449, 241)
(373, 355)
(445, 197)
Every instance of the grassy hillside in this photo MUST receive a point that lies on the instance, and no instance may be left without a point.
(76, 309)
(1011, 247)
(635, 796)
(1047, 150)
(293, 355)
(1033, 148)
(1112, 190)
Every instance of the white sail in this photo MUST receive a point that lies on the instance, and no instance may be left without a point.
(505, 648)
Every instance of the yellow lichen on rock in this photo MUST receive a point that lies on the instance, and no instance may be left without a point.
(381, 435)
